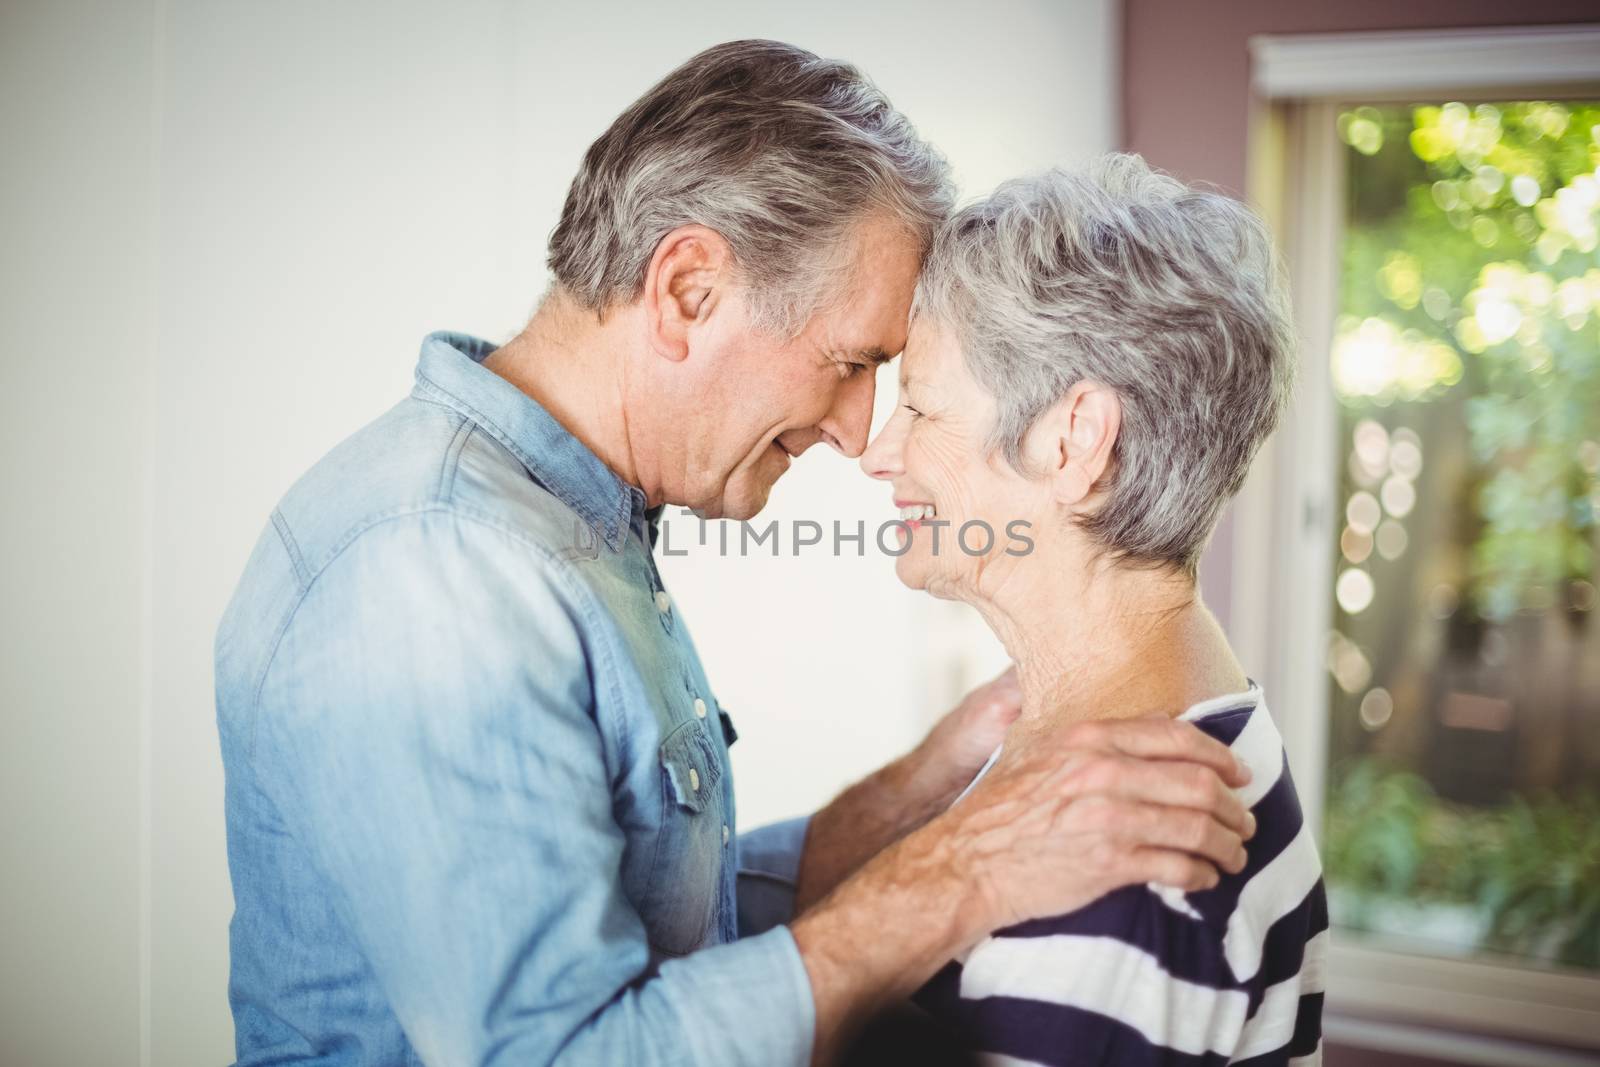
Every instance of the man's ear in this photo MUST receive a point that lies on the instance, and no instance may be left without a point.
(686, 275)
(1073, 441)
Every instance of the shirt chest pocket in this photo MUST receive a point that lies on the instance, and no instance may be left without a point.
(686, 873)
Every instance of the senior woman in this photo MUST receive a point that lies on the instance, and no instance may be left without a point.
(1098, 354)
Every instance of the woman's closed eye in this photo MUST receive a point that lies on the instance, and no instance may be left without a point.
(915, 414)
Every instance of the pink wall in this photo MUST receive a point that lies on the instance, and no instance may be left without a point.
(1186, 86)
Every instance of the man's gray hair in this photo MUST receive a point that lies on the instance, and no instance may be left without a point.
(777, 150)
(1170, 296)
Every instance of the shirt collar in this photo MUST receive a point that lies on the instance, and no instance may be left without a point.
(450, 371)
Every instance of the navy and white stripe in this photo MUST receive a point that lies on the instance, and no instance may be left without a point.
(1151, 975)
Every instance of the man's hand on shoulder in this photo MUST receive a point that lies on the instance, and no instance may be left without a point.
(1070, 814)
(1065, 817)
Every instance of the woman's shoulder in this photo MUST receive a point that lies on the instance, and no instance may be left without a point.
(1246, 928)
(1232, 964)
(1138, 962)
(1135, 977)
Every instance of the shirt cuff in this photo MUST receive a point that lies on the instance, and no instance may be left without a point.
(769, 868)
(752, 1002)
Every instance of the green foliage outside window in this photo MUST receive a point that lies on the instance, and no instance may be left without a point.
(1526, 876)
(1469, 334)
(1487, 271)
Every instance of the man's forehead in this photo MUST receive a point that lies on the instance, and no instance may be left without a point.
(884, 277)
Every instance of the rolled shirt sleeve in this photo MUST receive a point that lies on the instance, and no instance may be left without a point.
(427, 730)
(769, 870)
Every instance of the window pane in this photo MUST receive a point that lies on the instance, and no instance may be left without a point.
(1463, 812)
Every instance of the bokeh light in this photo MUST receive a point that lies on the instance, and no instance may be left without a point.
(1398, 496)
(1363, 512)
(1376, 359)
(1391, 539)
(1354, 590)
(1377, 708)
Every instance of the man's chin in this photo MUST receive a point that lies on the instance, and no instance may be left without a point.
(742, 502)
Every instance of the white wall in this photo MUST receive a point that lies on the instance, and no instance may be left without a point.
(229, 226)
(76, 189)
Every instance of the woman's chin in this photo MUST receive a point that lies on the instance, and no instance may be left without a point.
(912, 573)
(919, 574)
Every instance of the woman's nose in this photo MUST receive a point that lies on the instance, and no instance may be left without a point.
(882, 457)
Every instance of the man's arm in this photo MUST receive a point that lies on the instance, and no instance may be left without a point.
(1094, 808)
(882, 808)
(427, 734)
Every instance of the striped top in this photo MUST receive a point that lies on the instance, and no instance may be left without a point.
(1151, 975)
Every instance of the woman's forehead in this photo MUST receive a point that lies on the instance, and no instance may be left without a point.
(931, 355)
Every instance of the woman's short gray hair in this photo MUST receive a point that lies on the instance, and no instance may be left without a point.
(1170, 296)
(777, 150)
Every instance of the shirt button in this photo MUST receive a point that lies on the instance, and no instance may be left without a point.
(694, 780)
(663, 601)
(699, 708)
(725, 836)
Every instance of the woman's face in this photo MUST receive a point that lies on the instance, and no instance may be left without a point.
(969, 516)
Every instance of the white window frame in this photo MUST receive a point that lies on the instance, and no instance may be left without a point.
(1285, 517)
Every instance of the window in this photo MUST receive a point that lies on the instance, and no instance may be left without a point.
(1463, 794)
(1429, 623)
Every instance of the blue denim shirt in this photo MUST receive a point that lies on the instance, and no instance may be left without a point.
(478, 798)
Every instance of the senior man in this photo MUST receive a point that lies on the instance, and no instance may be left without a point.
(479, 806)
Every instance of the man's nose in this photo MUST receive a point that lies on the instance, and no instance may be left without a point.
(850, 421)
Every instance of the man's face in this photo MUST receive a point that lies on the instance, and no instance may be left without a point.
(766, 400)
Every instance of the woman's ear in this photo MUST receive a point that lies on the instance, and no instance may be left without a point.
(1073, 441)
(687, 273)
